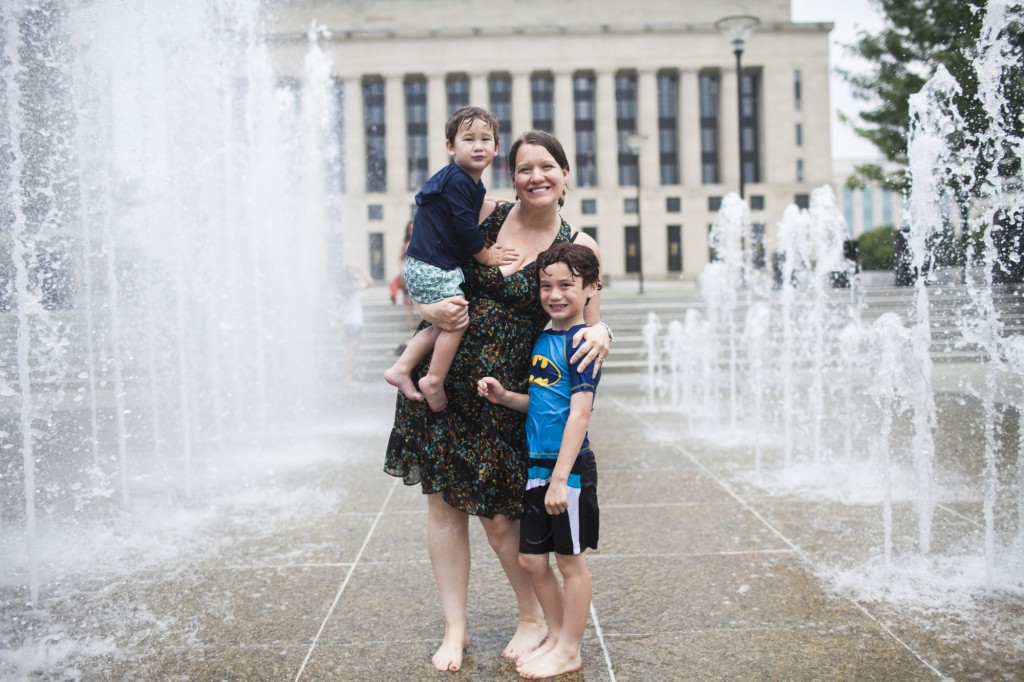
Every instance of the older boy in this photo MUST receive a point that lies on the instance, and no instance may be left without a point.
(560, 511)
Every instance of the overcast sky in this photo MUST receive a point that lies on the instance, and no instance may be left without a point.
(849, 16)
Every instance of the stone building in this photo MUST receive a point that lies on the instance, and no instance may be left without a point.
(643, 95)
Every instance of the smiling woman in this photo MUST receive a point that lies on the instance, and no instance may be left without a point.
(469, 459)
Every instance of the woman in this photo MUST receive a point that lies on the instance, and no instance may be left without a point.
(470, 458)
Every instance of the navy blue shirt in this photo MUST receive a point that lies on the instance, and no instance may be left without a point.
(445, 230)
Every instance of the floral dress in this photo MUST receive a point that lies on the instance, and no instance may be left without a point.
(474, 452)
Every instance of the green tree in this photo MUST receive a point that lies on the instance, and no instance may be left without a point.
(917, 37)
(876, 248)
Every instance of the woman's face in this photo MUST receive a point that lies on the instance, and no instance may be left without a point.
(537, 178)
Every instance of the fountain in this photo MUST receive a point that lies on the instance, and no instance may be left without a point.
(844, 393)
(170, 255)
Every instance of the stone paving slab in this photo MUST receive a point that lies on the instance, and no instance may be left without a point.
(700, 575)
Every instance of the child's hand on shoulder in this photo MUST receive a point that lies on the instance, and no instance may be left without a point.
(489, 388)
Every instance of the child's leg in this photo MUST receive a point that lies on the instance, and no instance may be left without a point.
(564, 657)
(549, 592)
(399, 374)
(432, 385)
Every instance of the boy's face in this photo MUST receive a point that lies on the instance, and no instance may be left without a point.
(473, 148)
(562, 296)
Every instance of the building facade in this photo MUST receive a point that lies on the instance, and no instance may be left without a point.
(643, 96)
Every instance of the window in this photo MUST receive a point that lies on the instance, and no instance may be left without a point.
(376, 255)
(542, 102)
(869, 213)
(376, 154)
(633, 248)
(757, 202)
(630, 205)
(588, 206)
(586, 141)
(458, 92)
(375, 212)
(416, 130)
(802, 200)
(798, 93)
(674, 239)
(625, 126)
(799, 170)
(673, 204)
(592, 231)
(750, 107)
(799, 134)
(500, 91)
(708, 85)
(668, 128)
(714, 203)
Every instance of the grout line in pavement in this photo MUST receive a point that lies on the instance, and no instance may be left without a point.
(600, 638)
(344, 583)
(620, 405)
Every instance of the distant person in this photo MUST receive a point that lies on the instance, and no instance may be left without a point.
(444, 236)
(560, 512)
(398, 283)
(354, 280)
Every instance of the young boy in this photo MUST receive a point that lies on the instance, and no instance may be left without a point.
(444, 236)
(560, 511)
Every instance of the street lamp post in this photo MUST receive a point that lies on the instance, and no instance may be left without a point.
(635, 142)
(736, 30)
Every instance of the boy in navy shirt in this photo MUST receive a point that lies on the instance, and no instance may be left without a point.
(444, 236)
(560, 511)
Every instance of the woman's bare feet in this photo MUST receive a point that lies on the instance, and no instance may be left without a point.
(433, 391)
(403, 382)
(448, 657)
(529, 635)
(557, 661)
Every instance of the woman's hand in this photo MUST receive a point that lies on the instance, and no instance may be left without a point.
(449, 314)
(597, 343)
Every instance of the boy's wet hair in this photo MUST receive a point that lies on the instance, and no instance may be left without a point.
(581, 261)
(464, 117)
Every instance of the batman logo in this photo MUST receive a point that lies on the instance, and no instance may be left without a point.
(544, 372)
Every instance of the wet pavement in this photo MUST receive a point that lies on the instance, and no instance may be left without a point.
(700, 576)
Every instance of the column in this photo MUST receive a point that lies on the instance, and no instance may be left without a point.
(354, 143)
(652, 231)
(437, 115)
(395, 142)
(522, 109)
(607, 139)
(728, 133)
(565, 119)
(689, 129)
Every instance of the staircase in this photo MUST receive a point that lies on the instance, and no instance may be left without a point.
(626, 312)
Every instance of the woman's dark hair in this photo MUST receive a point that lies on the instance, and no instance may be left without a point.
(581, 261)
(464, 117)
(544, 139)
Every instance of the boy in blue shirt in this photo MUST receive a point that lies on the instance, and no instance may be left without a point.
(445, 234)
(560, 511)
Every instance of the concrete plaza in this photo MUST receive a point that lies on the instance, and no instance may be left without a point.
(699, 576)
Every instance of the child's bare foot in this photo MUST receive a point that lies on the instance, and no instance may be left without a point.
(433, 391)
(448, 657)
(529, 635)
(403, 382)
(544, 648)
(555, 662)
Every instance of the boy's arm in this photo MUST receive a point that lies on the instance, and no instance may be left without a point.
(556, 501)
(496, 255)
(490, 388)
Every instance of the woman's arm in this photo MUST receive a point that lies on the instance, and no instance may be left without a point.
(450, 314)
(597, 338)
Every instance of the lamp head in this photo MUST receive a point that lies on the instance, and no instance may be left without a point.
(737, 29)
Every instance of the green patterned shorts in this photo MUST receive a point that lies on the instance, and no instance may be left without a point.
(428, 283)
